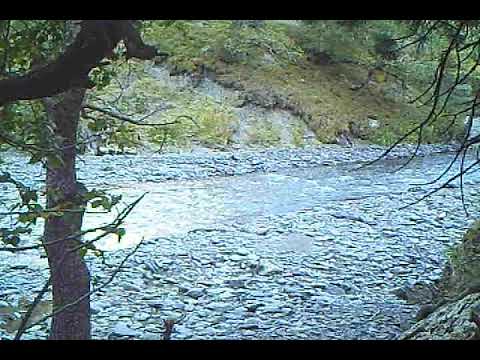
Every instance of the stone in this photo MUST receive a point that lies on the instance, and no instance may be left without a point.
(243, 252)
(132, 287)
(236, 257)
(177, 305)
(452, 321)
(151, 336)
(19, 267)
(442, 215)
(141, 316)
(153, 265)
(262, 232)
(7, 292)
(267, 268)
(95, 307)
(235, 283)
(218, 306)
(249, 324)
(271, 309)
(253, 307)
(196, 293)
(335, 290)
(182, 332)
(173, 315)
(121, 329)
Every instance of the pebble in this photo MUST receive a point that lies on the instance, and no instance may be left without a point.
(121, 329)
(196, 293)
(326, 291)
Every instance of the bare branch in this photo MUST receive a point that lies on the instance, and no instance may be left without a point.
(443, 186)
(118, 221)
(95, 290)
(31, 308)
(124, 118)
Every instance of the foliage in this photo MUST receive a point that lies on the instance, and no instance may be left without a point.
(464, 259)
(275, 56)
(298, 132)
(196, 44)
(25, 44)
(328, 36)
(202, 121)
(16, 51)
(265, 134)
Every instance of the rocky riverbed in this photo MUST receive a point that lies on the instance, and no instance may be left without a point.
(300, 246)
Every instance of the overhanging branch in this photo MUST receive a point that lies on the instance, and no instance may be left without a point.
(127, 119)
(95, 41)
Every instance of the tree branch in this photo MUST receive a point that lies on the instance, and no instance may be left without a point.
(96, 40)
(127, 119)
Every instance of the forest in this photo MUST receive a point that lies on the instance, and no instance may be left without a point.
(239, 180)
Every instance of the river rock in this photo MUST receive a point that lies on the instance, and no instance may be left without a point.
(219, 306)
(249, 324)
(141, 316)
(96, 307)
(453, 321)
(266, 268)
(121, 329)
(132, 287)
(235, 283)
(236, 257)
(253, 307)
(196, 293)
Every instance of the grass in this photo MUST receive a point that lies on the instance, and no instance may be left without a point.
(464, 259)
(322, 93)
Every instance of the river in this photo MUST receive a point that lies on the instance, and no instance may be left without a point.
(289, 252)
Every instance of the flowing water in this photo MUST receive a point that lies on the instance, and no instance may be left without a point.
(332, 243)
(178, 207)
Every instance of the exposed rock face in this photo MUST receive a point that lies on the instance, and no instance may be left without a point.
(465, 263)
(454, 321)
(259, 116)
(454, 312)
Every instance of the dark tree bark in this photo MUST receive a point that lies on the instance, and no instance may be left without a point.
(69, 273)
(68, 76)
(95, 41)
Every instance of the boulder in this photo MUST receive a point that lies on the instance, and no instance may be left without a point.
(121, 329)
(454, 312)
(452, 321)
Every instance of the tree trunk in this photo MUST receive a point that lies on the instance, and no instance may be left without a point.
(88, 42)
(69, 273)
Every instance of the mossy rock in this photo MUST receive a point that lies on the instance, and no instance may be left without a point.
(462, 271)
(464, 261)
(457, 317)
(453, 321)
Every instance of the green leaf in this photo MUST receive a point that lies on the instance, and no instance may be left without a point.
(120, 232)
(97, 203)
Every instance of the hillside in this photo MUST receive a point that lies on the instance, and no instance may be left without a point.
(276, 92)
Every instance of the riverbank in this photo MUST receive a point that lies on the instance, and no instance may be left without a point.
(294, 249)
(204, 163)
